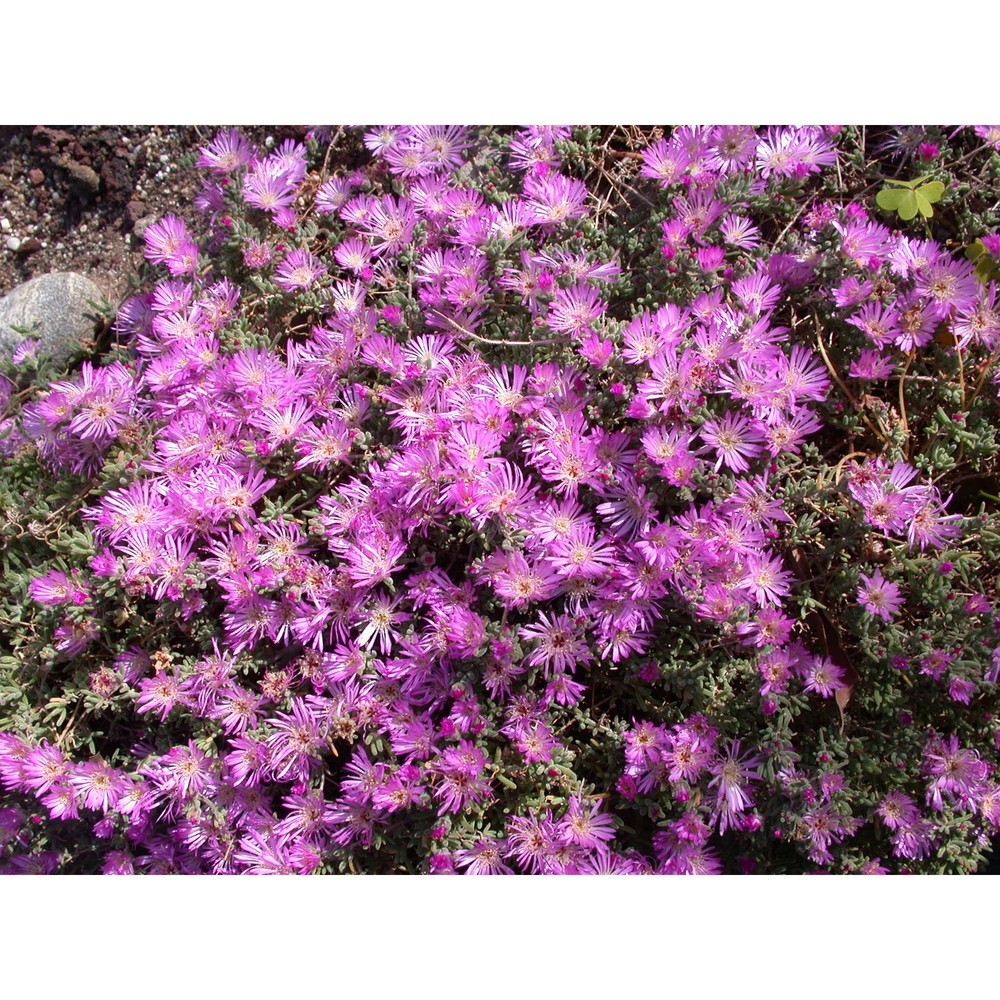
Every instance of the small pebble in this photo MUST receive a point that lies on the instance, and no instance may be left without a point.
(5, 225)
(13, 243)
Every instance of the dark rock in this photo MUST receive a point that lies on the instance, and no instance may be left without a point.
(36, 176)
(134, 211)
(31, 245)
(52, 307)
(117, 177)
(50, 138)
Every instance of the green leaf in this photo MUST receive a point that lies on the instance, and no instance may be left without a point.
(932, 192)
(909, 205)
(975, 251)
(906, 184)
(909, 197)
(984, 268)
(890, 199)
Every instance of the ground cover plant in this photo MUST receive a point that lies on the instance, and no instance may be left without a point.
(520, 500)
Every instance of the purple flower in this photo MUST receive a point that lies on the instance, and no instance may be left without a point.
(732, 776)
(734, 439)
(824, 676)
(764, 578)
(459, 771)
(296, 744)
(955, 774)
(879, 597)
(299, 270)
(227, 152)
(584, 825)
(483, 858)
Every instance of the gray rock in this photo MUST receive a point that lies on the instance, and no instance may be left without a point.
(54, 308)
(83, 176)
(141, 225)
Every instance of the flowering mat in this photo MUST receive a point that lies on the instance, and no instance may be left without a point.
(546, 500)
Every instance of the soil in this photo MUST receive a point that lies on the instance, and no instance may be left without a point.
(72, 198)
(76, 198)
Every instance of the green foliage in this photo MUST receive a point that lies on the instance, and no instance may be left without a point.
(907, 198)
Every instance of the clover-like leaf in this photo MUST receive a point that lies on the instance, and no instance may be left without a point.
(932, 191)
(924, 207)
(907, 198)
(907, 184)
(975, 250)
(891, 198)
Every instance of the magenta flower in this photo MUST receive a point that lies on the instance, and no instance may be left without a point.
(55, 588)
(532, 841)
(483, 858)
(665, 162)
(269, 187)
(584, 825)
(559, 646)
(45, 765)
(732, 776)
(575, 309)
(389, 224)
(824, 676)
(555, 198)
(298, 741)
(898, 810)
(536, 742)
(765, 579)
(878, 596)
(160, 694)
(97, 784)
(989, 134)
(299, 270)
(460, 777)
(871, 365)
(227, 152)
(164, 239)
(956, 774)
(734, 439)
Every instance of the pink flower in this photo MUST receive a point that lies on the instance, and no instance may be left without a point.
(765, 579)
(227, 152)
(298, 271)
(585, 826)
(961, 690)
(878, 596)
(734, 439)
(824, 676)
(53, 588)
(733, 774)
(554, 198)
